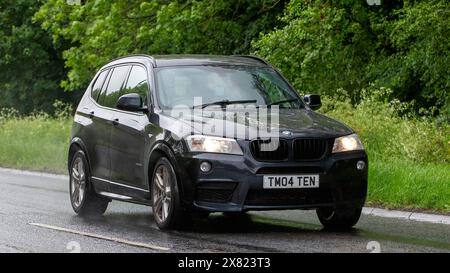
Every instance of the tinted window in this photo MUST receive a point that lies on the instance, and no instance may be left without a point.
(97, 88)
(113, 92)
(137, 82)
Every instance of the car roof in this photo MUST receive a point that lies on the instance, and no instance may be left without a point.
(188, 60)
(180, 60)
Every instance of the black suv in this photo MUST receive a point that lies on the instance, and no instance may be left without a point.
(156, 131)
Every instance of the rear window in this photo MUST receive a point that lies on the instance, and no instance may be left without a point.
(97, 88)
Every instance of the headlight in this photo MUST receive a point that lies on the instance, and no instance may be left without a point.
(347, 143)
(208, 144)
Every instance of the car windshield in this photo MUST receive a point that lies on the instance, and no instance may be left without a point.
(218, 86)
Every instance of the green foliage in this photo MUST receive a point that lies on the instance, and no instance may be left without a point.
(31, 68)
(62, 110)
(409, 157)
(386, 135)
(321, 46)
(403, 45)
(419, 67)
(104, 29)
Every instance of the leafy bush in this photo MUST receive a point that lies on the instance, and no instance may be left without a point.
(62, 110)
(31, 66)
(409, 157)
(386, 134)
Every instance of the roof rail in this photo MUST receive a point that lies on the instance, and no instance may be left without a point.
(253, 58)
(152, 59)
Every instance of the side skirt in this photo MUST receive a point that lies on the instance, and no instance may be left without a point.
(121, 192)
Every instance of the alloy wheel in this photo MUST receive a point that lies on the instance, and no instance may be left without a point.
(162, 194)
(78, 182)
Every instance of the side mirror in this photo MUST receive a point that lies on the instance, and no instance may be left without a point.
(131, 102)
(313, 101)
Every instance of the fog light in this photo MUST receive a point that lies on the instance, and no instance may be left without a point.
(205, 167)
(361, 165)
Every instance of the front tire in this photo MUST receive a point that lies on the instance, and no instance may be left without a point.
(339, 219)
(84, 199)
(166, 205)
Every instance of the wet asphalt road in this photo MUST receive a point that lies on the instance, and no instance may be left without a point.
(43, 200)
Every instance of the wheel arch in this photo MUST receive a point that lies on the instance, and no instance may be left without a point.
(75, 145)
(162, 149)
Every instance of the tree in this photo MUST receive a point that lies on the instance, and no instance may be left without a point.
(31, 68)
(327, 45)
(104, 29)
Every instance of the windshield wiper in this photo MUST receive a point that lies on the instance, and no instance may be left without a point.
(225, 103)
(281, 102)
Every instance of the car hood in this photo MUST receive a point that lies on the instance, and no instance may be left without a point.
(288, 122)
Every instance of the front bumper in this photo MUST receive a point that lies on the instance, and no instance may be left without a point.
(235, 183)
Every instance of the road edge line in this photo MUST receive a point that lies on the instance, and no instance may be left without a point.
(101, 237)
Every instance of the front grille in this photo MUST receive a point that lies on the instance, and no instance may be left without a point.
(301, 149)
(215, 192)
(309, 149)
(269, 150)
(288, 197)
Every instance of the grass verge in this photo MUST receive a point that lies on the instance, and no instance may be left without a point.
(401, 184)
(34, 143)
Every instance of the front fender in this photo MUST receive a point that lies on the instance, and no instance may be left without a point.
(165, 149)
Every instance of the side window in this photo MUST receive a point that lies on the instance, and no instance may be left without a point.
(137, 82)
(113, 91)
(97, 88)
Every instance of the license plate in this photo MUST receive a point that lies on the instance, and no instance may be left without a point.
(305, 181)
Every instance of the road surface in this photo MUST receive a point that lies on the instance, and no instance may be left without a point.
(36, 216)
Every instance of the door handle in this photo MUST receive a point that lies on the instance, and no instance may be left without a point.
(115, 122)
(91, 114)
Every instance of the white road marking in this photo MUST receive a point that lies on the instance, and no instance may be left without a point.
(96, 236)
(31, 173)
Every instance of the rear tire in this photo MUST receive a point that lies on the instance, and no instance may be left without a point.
(85, 201)
(339, 219)
(166, 205)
